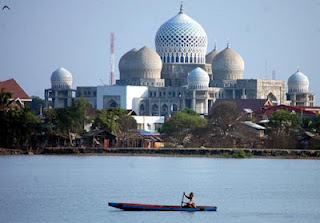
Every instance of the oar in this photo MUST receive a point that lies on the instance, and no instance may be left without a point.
(182, 199)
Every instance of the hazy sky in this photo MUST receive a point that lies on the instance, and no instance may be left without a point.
(39, 36)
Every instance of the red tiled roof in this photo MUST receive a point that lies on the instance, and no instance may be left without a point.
(253, 104)
(305, 110)
(12, 86)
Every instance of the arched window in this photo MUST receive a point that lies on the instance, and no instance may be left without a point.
(181, 59)
(174, 108)
(142, 110)
(164, 110)
(155, 110)
(177, 59)
(112, 104)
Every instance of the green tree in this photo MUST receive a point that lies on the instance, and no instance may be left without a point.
(17, 123)
(181, 123)
(4, 99)
(307, 124)
(316, 124)
(114, 120)
(282, 121)
(225, 117)
(36, 104)
(66, 121)
(282, 128)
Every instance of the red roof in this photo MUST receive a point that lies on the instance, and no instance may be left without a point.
(13, 87)
(305, 110)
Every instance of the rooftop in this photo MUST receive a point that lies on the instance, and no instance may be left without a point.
(13, 87)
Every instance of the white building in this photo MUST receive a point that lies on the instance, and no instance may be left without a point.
(120, 96)
(149, 123)
(61, 94)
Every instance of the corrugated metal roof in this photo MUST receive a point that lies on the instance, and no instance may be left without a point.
(254, 125)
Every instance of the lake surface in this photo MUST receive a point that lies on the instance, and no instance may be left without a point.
(78, 188)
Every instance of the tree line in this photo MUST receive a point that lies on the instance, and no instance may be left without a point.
(25, 126)
(224, 128)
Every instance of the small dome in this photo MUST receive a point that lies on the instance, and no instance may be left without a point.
(227, 65)
(198, 79)
(61, 79)
(124, 64)
(181, 40)
(298, 83)
(211, 55)
(145, 63)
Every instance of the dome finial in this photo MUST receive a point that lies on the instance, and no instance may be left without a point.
(228, 43)
(181, 7)
(298, 68)
(215, 44)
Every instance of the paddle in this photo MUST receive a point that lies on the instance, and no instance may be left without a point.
(182, 200)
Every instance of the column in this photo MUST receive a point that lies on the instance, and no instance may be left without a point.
(193, 105)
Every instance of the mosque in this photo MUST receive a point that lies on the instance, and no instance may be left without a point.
(177, 75)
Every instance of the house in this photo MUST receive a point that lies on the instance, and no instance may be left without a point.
(255, 128)
(310, 112)
(245, 105)
(99, 138)
(19, 96)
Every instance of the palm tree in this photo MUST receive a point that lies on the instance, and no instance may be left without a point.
(4, 99)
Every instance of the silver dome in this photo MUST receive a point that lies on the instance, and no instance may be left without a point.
(227, 65)
(298, 83)
(198, 79)
(211, 55)
(145, 63)
(124, 64)
(61, 79)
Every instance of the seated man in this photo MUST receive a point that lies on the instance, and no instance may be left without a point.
(191, 203)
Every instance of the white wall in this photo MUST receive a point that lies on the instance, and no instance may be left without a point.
(126, 93)
(149, 122)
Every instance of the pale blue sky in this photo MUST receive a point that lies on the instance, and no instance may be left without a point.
(39, 36)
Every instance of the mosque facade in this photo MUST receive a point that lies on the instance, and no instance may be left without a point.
(181, 74)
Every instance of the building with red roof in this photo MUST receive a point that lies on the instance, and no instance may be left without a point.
(15, 89)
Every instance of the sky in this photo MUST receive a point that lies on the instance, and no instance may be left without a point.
(39, 36)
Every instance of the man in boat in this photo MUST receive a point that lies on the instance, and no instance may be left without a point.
(191, 203)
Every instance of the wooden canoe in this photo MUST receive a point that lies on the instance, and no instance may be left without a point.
(155, 207)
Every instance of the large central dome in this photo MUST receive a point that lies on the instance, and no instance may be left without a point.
(181, 40)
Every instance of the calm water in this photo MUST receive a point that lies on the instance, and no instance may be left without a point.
(77, 188)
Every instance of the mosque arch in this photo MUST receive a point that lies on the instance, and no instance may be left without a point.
(164, 110)
(154, 110)
(174, 108)
(142, 109)
(112, 104)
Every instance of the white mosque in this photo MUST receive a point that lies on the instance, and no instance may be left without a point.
(179, 74)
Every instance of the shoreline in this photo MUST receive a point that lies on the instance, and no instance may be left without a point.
(174, 152)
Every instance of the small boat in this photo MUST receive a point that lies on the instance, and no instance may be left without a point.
(154, 207)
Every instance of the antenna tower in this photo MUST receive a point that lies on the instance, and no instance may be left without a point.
(112, 82)
(273, 75)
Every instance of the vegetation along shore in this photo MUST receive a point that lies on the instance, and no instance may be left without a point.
(226, 132)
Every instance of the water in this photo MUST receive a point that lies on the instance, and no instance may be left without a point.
(77, 188)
